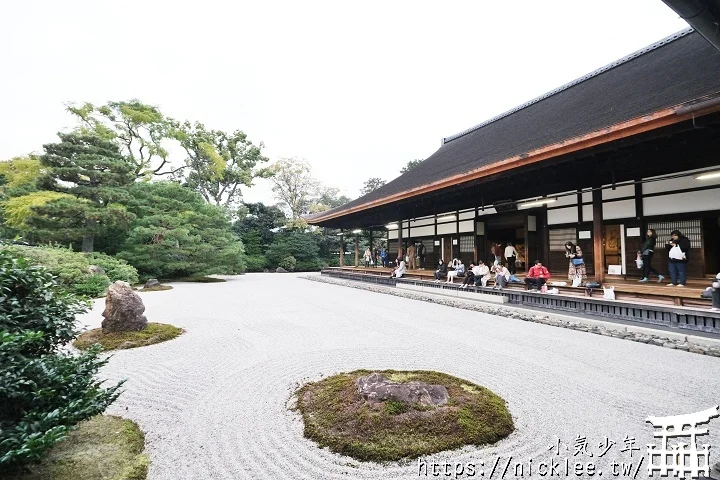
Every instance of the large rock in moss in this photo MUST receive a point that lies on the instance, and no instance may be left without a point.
(123, 309)
(376, 388)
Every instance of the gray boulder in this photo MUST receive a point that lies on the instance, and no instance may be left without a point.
(123, 309)
(377, 388)
(281, 270)
(153, 282)
(96, 270)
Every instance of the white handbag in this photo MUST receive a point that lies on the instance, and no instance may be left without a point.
(676, 253)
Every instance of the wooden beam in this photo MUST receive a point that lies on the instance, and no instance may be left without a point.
(598, 244)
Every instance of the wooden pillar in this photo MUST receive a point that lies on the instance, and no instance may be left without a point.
(357, 252)
(400, 240)
(342, 250)
(639, 214)
(475, 237)
(598, 244)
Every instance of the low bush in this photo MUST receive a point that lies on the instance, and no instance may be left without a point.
(288, 263)
(44, 390)
(153, 333)
(256, 263)
(115, 268)
(68, 266)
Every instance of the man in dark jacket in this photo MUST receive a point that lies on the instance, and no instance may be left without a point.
(677, 263)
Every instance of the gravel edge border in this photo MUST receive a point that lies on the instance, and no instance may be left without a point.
(547, 319)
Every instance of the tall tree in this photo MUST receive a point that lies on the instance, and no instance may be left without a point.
(218, 163)
(293, 185)
(19, 174)
(410, 165)
(257, 226)
(93, 171)
(139, 130)
(176, 233)
(371, 184)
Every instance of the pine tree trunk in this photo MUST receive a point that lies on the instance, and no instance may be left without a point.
(89, 238)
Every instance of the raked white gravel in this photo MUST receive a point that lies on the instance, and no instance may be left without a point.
(214, 402)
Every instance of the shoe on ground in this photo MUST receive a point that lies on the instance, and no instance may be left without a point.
(680, 285)
(644, 280)
(660, 279)
(670, 284)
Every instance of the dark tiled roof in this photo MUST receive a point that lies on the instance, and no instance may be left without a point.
(675, 70)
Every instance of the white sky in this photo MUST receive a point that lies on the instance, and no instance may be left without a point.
(357, 88)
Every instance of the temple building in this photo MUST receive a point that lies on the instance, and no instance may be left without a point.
(631, 146)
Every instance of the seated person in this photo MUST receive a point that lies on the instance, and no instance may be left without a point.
(441, 271)
(470, 277)
(502, 275)
(482, 274)
(401, 269)
(537, 276)
(458, 272)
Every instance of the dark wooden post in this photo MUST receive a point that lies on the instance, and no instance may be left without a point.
(475, 237)
(357, 252)
(400, 240)
(342, 250)
(598, 244)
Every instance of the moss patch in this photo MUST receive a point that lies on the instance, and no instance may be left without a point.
(156, 288)
(337, 417)
(198, 279)
(154, 333)
(104, 447)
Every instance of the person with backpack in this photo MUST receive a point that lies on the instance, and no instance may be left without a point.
(646, 255)
(678, 248)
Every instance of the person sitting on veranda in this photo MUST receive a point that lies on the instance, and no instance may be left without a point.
(470, 276)
(458, 272)
(482, 274)
(401, 269)
(441, 271)
(537, 276)
(502, 276)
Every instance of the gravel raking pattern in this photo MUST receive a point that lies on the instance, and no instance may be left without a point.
(214, 402)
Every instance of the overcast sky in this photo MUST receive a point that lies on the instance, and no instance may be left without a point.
(356, 88)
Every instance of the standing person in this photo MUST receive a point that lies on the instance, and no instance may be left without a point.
(678, 249)
(384, 257)
(576, 267)
(537, 276)
(411, 255)
(421, 254)
(511, 257)
(441, 271)
(491, 255)
(646, 253)
(367, 256)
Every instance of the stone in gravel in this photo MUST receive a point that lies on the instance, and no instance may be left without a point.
(123, 309)
(683, 346)
(669, 345)
(280, 270)
(96, 270)
(376, 388)
(153, 282)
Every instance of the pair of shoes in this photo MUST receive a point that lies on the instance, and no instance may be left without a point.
(437, 281)
(644, 280)
(660, 278)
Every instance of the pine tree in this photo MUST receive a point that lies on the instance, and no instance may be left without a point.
(92, 170)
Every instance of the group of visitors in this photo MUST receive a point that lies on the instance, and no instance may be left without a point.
(678, 252)
(477, 275)
(496, 255)
(376, 257)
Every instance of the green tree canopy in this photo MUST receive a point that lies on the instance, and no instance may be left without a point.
(218, 163)
(371, 184)
(94, 172)
(303, 246)
(176, 234)
(410, 165)
(19, 174)
(257, 227)
(137, 128)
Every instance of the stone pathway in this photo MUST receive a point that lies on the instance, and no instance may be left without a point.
(213, 403)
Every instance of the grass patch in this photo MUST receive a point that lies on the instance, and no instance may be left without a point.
(154, 333)
(104, 447)
(198, 279)
(337, 417)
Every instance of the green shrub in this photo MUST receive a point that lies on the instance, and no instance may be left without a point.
(92, 286)
(44, 391)
(256, 263)
(68, 266)
(115, 268)
(288, 263)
